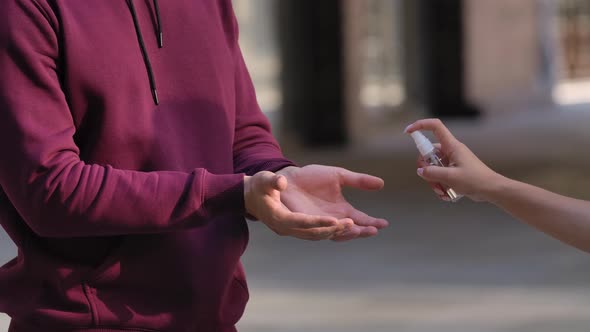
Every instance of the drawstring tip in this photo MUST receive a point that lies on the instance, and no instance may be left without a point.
(160, 40)
(155, 95)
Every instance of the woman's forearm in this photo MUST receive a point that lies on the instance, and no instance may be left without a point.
(563, 218)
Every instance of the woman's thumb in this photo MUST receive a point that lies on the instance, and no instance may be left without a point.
(435, 173)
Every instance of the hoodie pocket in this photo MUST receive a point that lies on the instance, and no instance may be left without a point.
(110, 265)
(234, 302)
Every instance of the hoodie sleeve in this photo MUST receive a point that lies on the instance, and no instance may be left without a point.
(54, 191)
(255, 149)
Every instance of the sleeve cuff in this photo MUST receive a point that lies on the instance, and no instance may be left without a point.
(223, 195)
(275, 165)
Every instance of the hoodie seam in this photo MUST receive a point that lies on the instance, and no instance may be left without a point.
(104, 328)
(113, 328)
(45, 14)
(242, 283)
(205, 188)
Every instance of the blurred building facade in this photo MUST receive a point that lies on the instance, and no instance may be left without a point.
(348, 66)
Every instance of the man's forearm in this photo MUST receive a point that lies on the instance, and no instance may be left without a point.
(77, 200)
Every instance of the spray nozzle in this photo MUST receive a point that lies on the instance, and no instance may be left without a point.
(422, 143)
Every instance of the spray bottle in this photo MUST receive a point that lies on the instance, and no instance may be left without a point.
(429, 153)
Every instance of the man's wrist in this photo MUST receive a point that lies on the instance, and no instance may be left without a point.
(247, 197)
(287, 170)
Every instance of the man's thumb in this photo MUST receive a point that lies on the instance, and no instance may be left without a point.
(272, 181)
(280, 183)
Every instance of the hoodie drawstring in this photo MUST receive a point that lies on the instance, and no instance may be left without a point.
(159, 22)
(146, 58)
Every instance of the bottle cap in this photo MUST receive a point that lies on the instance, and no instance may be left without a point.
(422, 143)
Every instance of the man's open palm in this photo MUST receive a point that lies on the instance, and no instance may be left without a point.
(317, 190)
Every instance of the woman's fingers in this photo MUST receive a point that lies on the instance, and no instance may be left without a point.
(442, 133)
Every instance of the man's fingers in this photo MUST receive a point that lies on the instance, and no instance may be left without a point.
(442, 133)
(355, 233)
(360, 180)
(321, 233)
(368, 232)
(317, 234)
(350, 234)
(314, 234)
(362, 219)
(292, 220)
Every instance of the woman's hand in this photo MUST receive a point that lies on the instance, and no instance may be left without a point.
(466, 173)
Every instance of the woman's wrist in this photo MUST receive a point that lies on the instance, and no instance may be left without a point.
(499, 186)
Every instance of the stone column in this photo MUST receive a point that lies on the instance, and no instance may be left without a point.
(313, 80)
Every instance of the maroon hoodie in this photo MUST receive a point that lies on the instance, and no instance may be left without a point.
(122, 164)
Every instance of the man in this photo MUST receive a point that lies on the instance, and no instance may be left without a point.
(132, 149)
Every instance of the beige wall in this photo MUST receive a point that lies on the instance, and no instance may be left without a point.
(505, 41)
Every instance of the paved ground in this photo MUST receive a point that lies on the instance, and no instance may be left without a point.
(439, 268)
(457, 268)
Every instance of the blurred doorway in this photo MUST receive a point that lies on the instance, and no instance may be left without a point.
(382, 87)
(258, 40)
(337, 69)
(573, 25)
